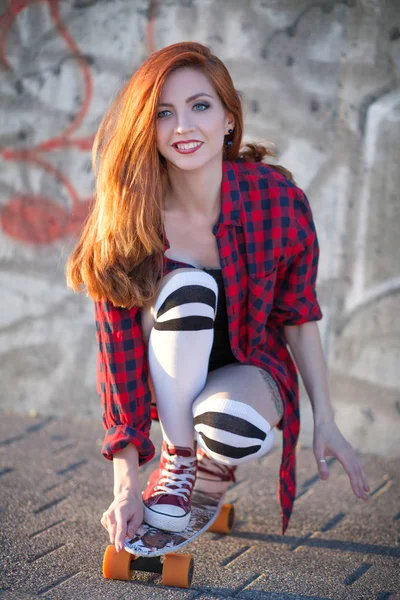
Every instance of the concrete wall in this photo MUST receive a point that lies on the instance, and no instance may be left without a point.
(321, 80)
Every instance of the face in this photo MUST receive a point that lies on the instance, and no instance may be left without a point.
(191, 121)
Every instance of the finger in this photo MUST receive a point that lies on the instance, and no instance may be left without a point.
(121, 529)
(133, 525)
(359, 483)
(120, 534)
(356, 481)
(103, 521)
(111, 526)
(323, 469)
(322, 466)
(348, 459)
(364, 479)
(361, 493)
(106, 523)
(364, 487)
(356, 474)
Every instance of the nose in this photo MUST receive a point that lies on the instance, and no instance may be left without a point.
(184, 124)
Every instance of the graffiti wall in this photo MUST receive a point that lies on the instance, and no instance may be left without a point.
(320, 80)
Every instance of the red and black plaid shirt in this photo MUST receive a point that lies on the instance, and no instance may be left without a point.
(268, 251)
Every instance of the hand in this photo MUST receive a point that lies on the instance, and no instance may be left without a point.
(328, 441)
(123, 517)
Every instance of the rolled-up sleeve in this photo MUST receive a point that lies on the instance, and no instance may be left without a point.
(295, 297)
(122, 380)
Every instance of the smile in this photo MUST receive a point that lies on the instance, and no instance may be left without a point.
(187, 148)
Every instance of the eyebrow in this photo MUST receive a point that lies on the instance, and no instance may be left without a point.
(190, 99)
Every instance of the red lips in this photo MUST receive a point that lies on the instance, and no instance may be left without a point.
(189, 150)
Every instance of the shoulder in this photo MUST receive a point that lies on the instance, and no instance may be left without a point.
(253, 171)
(264, 184)
(267, 195)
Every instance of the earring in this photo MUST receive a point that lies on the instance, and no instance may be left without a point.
(228, 143)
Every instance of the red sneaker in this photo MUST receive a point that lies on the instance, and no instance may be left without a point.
(212, 477)
(167, 498)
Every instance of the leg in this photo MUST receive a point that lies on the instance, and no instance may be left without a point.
(179, 330)
(235, 413)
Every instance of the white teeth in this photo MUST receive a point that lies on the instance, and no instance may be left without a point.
(188, 146)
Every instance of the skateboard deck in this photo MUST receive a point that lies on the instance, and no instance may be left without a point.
(150, 541)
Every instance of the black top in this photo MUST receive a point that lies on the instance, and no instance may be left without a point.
(221, 353)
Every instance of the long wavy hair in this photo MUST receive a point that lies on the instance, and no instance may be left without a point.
(119, 255)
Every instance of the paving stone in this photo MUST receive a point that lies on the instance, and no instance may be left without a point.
(55, 485)
(14, 595)
(312, 572)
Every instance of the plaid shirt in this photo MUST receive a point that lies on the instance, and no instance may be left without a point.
(268, 251)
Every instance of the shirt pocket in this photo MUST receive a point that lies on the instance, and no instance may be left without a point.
(260, 300)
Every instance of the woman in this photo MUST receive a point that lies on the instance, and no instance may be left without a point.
(202, 263)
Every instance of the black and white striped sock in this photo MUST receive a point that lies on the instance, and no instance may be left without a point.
(231, 432)
(179, 349)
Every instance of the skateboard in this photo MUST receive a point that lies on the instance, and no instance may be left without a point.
(154, 550)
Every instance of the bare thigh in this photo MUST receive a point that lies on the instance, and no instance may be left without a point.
(247, 384)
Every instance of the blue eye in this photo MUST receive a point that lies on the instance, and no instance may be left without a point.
(159, 116)
(203, 104)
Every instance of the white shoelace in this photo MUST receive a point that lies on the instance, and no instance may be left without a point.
(178, 480)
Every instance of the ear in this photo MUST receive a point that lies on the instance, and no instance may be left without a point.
(229, 122)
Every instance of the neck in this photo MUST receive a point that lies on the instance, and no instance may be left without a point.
(194, 192)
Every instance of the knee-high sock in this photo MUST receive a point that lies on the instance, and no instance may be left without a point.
(179, 350)
(231, 432)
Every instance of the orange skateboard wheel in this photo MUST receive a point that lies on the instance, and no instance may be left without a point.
(224, 522)
(117, 565)
(177, 570)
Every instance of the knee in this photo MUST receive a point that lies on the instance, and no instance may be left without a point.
(187, 300)
(179, 290)
(231, 432)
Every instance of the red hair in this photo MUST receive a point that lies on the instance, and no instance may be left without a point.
(119, 254)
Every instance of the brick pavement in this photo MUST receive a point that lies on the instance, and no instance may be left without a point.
(54, 486)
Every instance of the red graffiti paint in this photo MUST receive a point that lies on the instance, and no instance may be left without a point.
(24, 218)
(40, 221)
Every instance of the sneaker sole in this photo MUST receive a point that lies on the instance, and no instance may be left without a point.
(166, 522)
